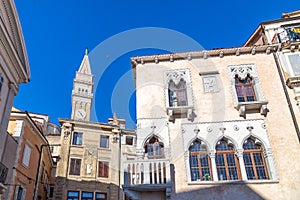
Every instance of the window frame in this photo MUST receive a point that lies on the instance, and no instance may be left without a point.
(131, 139)
(75, 139)
(199, 154)
(103, 169)
(175, 76)
(72, 169)
(254, 165)
(26, 155)
(155, 144)
(242, 71)
(107, 142)
(100, 194)
(73, 197)
(86, 198)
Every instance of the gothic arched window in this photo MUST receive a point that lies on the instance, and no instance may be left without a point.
(254, 161)
(244, 89)
(154, 148)
(177, 94)
(227, 162)
(199, 162)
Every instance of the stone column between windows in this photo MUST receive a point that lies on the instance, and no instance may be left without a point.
(239, 153)
(213, 165)
(270, 164)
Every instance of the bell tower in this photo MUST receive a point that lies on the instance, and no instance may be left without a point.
(82, 93)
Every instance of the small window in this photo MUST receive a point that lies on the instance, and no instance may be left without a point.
(295, 63)
(87, 196)
(244, 89)
(129, 140)
(73, 195)
(20, 193)
(51, 149)
(177, 94)
(77, 138)
(26, 155)
(51, 193)
(75, 167)
(104, 141)
(154, 148)
(101, 196)
(103, 168)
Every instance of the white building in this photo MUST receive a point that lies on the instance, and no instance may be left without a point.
(214, 124)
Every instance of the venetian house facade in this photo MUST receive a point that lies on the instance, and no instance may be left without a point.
(215, 124)
(14, 70)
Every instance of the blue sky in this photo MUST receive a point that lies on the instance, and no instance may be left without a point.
(57, 32)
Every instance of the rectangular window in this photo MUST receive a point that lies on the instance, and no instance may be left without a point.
(51, 149)
(26, 155)
(77, 138)
(295, 63)
(75, 166)
(87, 195)
(51, 192)
(103, 168)
(20, 193)
(101, 196)
(129, 140)
(104, 141)
(73, 195)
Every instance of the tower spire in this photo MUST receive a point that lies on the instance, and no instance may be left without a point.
(82, 94)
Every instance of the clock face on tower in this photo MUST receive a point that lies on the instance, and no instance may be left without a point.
(80, 114)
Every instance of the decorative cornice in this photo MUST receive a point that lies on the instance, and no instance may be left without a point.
(222, 52)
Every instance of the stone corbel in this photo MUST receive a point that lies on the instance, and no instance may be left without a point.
(190, 114)
(264, 110)
(170, 113)
(242, 111)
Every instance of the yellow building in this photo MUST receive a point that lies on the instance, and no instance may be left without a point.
(89, 153)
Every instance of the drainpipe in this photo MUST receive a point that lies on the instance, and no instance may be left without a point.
(287, 96)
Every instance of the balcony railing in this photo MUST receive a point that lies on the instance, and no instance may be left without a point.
(289, 35)
(152, 171)
(3, 173)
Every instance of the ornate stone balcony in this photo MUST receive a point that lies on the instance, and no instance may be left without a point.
(152, 172)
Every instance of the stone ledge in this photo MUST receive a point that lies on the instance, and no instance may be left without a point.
(234, 182)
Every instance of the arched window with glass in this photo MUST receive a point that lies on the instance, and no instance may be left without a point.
(177, 94)
(154, 148)
(254, 160)
(200, 165)
(244, 89)
(226, 161)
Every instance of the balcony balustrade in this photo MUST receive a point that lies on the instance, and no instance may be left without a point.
(147, 172)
